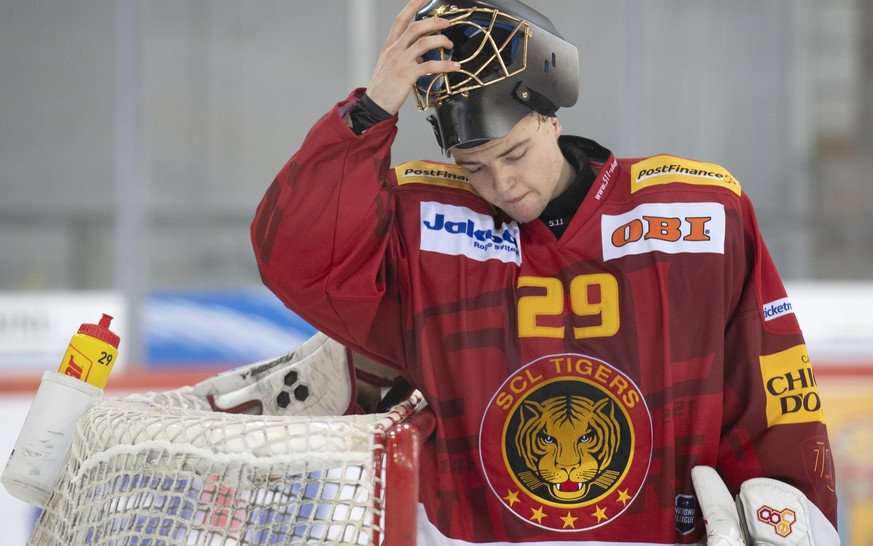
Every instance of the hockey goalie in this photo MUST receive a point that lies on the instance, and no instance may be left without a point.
(592, 332)
(586, 327)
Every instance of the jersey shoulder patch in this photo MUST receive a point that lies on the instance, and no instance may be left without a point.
(435, 174)
(667, 169)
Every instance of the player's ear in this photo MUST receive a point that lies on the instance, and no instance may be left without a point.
(556, 125)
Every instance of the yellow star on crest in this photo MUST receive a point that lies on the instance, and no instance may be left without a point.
(569, 520)
(600, 514)
(511, 497)
(623, 497)
(538, 514)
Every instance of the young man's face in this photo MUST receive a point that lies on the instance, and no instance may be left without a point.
(520, 172)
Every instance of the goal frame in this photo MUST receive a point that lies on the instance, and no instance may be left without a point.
(397, 438)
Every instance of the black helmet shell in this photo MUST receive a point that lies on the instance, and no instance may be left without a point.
(538, 71)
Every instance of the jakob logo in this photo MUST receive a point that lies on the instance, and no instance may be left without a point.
(566, 442)
(458, 231)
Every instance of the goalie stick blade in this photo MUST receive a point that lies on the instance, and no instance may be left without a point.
(718, 507)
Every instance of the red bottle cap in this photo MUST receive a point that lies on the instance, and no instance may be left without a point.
(101, 331)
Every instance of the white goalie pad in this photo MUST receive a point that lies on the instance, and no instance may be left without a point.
(766, 512)
(315, 379)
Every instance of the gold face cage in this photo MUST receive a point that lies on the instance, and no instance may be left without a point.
(490, 45)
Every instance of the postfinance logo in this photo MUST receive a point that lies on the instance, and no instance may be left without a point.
(435, 174)
(666, 169)
(790, 386)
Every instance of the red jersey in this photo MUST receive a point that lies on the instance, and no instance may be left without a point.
(576, 381)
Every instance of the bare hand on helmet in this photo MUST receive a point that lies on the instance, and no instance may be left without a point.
(400, 63)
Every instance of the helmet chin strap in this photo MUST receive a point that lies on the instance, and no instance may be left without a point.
(533, 100)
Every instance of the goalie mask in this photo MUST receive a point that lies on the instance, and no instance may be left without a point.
(513, 62)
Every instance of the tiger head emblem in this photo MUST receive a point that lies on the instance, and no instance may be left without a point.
(567, 443)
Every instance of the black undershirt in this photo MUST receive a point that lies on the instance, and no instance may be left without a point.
(366, 113)
(561, 209)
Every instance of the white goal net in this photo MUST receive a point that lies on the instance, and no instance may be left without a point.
(157, 470)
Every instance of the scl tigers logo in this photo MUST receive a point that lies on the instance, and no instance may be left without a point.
(566, 442)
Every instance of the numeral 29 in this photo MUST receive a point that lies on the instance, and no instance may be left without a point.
(551, 303)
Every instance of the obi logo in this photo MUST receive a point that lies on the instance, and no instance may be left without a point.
(566, 442)
(458, 231)
(672, 228)
(780, 520)
(790, 387)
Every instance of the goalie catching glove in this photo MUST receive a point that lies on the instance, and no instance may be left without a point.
(766, 512)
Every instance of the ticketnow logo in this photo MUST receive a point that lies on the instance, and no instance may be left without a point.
(777, 308)
(459, 231)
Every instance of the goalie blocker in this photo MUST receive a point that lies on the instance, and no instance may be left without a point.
(766, 512)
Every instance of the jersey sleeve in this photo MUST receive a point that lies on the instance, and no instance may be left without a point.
(322, 234)
(773, 420)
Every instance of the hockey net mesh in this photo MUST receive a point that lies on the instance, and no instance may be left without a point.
(162, 471)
